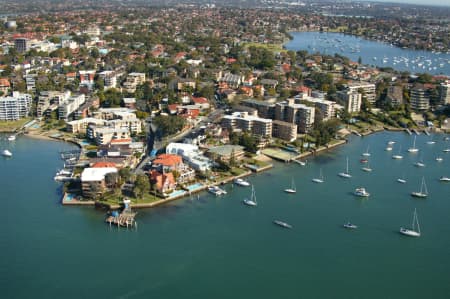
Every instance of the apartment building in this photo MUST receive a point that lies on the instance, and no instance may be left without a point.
(245, 122)
(444, 93)
(22, 44)
(325, 109)
(395, 95)
(15, 107)
(420, 99)
(49, 101)
(109, 79)
(351, 100)
(368, 88)
(284, 130)
(265, 109)
(301, 115)
(133, 80)
(69, 106)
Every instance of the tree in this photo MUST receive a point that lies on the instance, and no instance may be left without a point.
(168, 125)
(125, 174)
(141, 185)
(111, 179)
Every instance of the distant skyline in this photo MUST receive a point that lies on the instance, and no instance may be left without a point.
(420, 2)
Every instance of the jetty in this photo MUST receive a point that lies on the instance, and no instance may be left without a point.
(416, 132)
(124, 219)
(408, 131)
(356, 133)
(426, 132)
(299, 162)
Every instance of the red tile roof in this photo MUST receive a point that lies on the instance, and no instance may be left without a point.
(104, 164)
(167, 160)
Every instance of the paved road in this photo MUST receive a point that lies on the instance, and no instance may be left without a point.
(158, 144)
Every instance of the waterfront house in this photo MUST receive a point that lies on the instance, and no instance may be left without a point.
(225, 153)
(162, 182)
(93, 180)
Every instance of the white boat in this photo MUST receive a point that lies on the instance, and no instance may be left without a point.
(62, 178)
(241, 182)
(11, 137)
(350, 225)
(389, 148)
(345, 174)
(252, 200)
(319, 179)
(366, 168)
(7, 153)
(398, 156)
(439, 159)
(64, 172)
(400, 180)
(391, 142)
(292, 189)
(366, 153)
(419, 163)
(415, 230)
(431, 141)
(282, 224)
(413, 149)
(216, 190)
(361, 192)
(447, 150)
(444, 179)
(423, 190)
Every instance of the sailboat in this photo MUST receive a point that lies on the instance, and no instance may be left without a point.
(431, 141)
(423, 190)
(292, 189)
(366, 153)
(413, 149)
(252, 200)
(345, 174)
(367, 168)
(398, 156)
(319, 179)
(414, 231)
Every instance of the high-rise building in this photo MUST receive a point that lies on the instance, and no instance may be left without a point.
(444, 93)
(351, 100)
(420, 99)
(22, 44)
(369, 92)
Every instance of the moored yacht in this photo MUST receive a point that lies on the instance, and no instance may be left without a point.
(216, 190)
(361, 192)
(415, 230)
(11, 137)
(241, 182)
(444, 179)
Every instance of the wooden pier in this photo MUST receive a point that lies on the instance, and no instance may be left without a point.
(124, 219)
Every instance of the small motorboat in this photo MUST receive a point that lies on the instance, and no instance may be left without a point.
(6, 153)
(241, 182)
(444, 179)
(350, 225)
(282, 224)
(11, 137)
(361, 192)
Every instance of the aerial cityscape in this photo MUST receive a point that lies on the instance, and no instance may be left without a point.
(198, 148)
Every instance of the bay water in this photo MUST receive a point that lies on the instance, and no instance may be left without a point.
(216, 247)
(371, 52)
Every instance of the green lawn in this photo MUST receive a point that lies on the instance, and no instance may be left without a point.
(270, 47)
(9, 126)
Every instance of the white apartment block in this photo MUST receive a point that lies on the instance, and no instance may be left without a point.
(444, 93)
(133, 80)
(109, 79)
(351, 100)
(67, 107)
(325, 109)
(369, 90)
(419, 99)
(245, 122)
(191, 154)
(50, 100)
(15, 107)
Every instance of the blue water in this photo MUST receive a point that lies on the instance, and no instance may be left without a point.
(216, 247)
(371, 52)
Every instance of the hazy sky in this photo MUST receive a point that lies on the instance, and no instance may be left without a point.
(424, 2)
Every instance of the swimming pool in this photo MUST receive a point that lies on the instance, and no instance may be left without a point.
(194, 187)
(177, 193)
